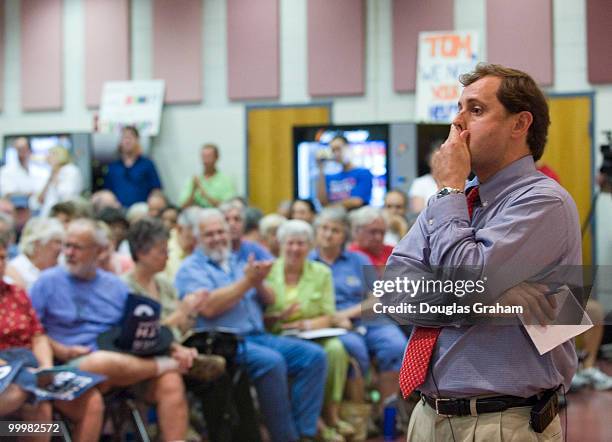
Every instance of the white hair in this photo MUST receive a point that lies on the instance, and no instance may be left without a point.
(232, 204)
(99, 230)
(41, 231)
(270, 222)
(295, 228)
(364, 216)
(336, 215)
(206, 215)
(189, 217)
(136, 212)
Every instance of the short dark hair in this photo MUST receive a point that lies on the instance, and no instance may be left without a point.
(518, 92)
(399, 192)
(339, 137)
(65, 207)
(306, 201)
(144, 234)
(112, 215)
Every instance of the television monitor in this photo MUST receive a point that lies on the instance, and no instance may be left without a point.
(369, 149)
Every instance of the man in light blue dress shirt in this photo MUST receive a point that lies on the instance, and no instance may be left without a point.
(237, 295)
(523, 224)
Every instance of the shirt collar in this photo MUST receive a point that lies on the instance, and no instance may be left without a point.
(496, 185)
(316, 255)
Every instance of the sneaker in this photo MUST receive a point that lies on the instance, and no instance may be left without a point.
(597, 378)
(579, 381)
(207, 368)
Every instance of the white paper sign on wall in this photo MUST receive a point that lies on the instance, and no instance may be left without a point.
(442, 57)
(134, 103)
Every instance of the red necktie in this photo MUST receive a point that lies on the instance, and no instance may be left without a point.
(423, 340)
(472, 197)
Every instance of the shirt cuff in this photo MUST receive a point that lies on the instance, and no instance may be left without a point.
(441, 211)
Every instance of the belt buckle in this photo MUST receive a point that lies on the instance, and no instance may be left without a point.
(438, 411)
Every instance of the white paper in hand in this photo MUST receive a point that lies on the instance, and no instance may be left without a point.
(545, 338)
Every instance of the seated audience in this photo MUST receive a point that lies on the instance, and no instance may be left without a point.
(148, 240)
(64, 212)
(212, 187)
(133, 176)
(20, 327)
(156, 203)
(109, 259)
(369, 227)
(238, 292)
(103, 199)
(65, 181)
(170, 216)
(182, 240)
(425, 186)
(305, 301)
(284, 208)
(7, 230)
(395, 212)
(303, 209)
(384, 341)
(234, 215)
(77, 302)
(40, 246)
(267, 231)
(252, 217)
(118, 224)
(137, 212)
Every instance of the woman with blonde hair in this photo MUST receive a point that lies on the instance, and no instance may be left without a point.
(65, 181)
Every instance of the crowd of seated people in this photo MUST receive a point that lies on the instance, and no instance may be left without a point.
(214, 263)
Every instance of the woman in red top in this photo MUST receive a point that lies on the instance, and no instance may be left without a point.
(19, 327)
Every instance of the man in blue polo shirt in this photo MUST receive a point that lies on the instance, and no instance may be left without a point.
(233, 211)
(78, 302)
(132, 177)
(237, 294)
(352, 187)
(382, 339)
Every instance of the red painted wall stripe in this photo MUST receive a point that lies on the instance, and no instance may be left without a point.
(41, 55)
(519, 35)
(409, 18)
(336, 47)
(253, 49)
(107, 45)
(177, 48)
(599, 43)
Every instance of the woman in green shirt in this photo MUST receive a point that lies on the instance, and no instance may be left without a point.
(305, 301)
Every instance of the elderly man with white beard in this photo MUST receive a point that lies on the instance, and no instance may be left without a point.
(237, 294)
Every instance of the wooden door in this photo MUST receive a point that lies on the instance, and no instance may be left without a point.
(569, 153)
(270, 151)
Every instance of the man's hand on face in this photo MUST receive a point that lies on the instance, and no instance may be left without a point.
(450, 165)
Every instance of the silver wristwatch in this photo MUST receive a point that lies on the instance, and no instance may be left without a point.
(448, 191)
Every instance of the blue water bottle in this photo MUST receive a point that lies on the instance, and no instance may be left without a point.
(389, 423)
